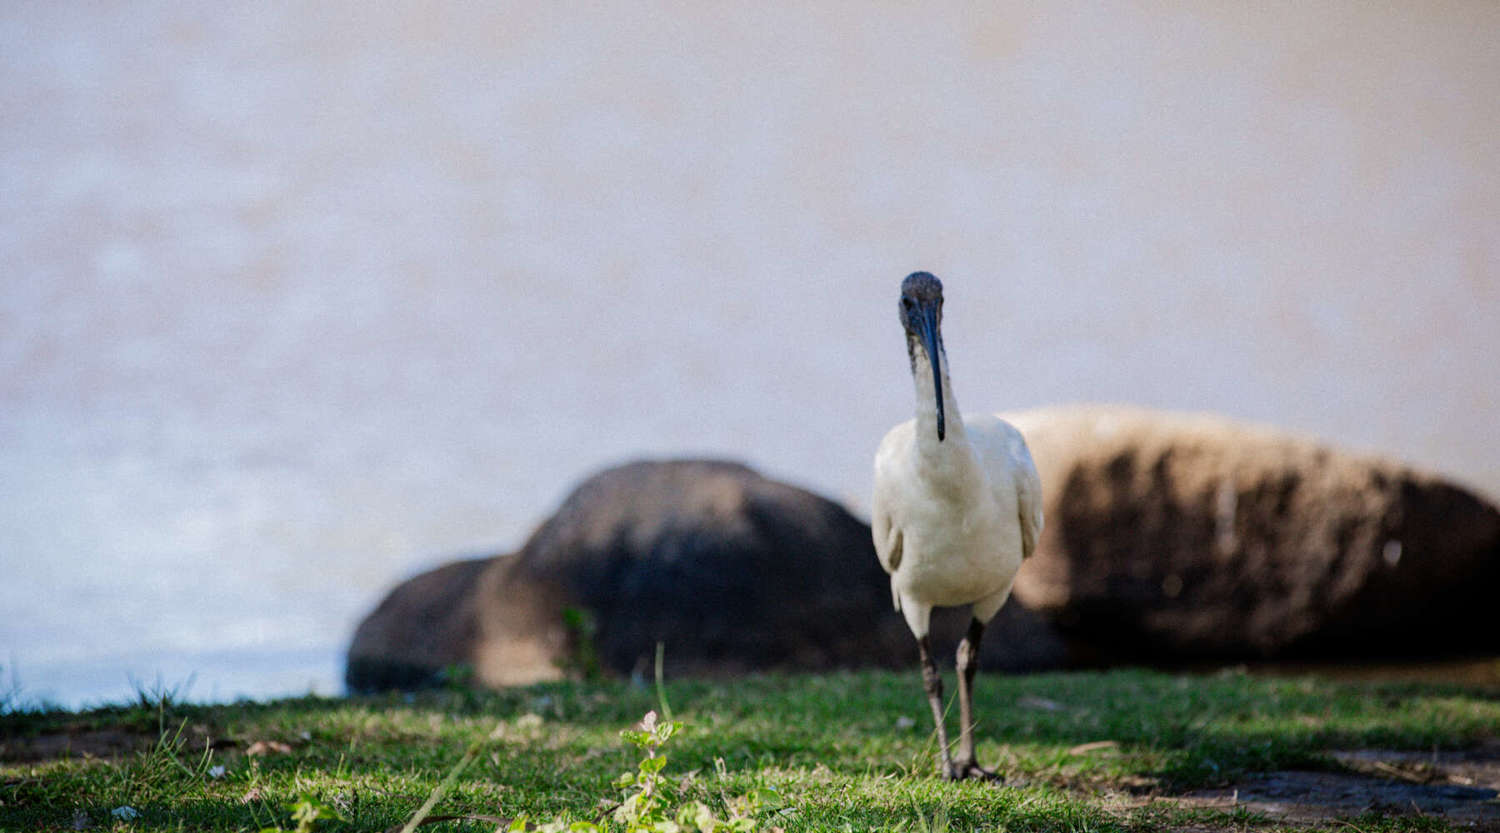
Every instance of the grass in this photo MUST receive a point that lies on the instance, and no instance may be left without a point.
(842, 751)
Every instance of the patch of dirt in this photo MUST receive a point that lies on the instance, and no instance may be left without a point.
(102, 744)
(1323, 796)
(1461, 787)
(93, 743)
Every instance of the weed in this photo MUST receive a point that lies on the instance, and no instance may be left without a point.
(582, 660)
(458, 678)
(648, 804)
(13, 697)
(158, 695)
(307, 812)
(661, 688)
(10, 693)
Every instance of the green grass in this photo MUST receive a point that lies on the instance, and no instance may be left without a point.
(846, 751)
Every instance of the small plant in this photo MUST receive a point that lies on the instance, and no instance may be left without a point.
(583, 659)
(13, 697)
(457, 678)
(460, 680)
(648, 804)
(10, 694)
(307, 812)
(159, 696)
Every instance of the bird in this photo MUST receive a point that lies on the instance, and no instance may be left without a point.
(957, 507)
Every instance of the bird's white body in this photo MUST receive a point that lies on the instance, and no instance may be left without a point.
(953, 519)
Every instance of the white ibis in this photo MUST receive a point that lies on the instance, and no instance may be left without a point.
(957, 507)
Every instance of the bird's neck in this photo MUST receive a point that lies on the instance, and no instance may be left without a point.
(954, 438)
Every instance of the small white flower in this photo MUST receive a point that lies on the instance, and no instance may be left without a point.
(124, 813)
(216, 772)
(904, 722)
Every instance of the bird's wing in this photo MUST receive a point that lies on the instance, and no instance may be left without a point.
(883, 525)
(887, 543)
(1005, 448)
(1029, 498)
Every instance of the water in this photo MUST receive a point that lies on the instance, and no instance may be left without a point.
(297, 302)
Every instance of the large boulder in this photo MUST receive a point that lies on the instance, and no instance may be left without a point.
(731, 571)
(426, 624)
(1174, 536)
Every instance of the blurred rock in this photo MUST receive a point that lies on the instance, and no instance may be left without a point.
(1174, 536)
(734, 572)
(426, 624)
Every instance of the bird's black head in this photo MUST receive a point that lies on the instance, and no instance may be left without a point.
(922, 316)
(921, 293)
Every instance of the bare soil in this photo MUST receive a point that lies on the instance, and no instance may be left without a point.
(1462, 787)
(96, 744)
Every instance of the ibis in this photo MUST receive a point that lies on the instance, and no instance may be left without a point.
(957, 507)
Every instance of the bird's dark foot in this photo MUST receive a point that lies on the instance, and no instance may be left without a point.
(961, 771)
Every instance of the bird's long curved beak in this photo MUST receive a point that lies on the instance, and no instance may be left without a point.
(929, 327)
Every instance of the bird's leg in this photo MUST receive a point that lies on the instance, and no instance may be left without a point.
(934, 685)
(968, 663)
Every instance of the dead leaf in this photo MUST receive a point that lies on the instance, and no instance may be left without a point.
(268, 747)
(1084, 748)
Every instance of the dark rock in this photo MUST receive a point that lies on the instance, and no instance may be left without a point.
(1173, 536)
(733, 572)
(426, 624)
